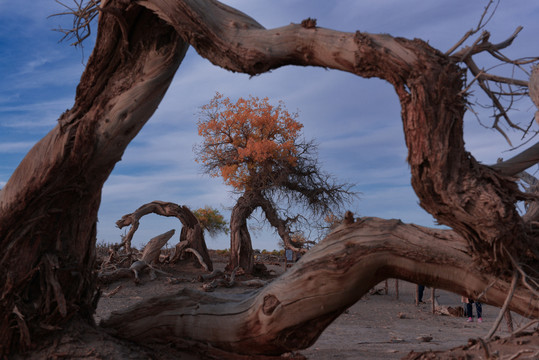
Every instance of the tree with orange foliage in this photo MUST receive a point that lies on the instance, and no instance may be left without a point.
(211, 220)
(256, 148)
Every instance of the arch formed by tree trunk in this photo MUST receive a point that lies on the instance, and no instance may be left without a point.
(191, 234)
(48, 208)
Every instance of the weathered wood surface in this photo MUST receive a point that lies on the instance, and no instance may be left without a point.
(191, 235)
(292, 311)
(49, 206)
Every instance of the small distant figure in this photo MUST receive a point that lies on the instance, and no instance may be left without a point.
(420, 290)
(469, 309)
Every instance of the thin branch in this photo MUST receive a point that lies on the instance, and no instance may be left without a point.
(524, 327)
(501, 79)
(505, 305)
(468, 51)
(482, 77)
(480, 25)
(83, 15)
(482, 44)
(503, 112)
(524, 276)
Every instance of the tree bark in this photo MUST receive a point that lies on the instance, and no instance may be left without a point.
(241, 248)
(471, 198)
(48, 208)
(291, 312)
(191, 234)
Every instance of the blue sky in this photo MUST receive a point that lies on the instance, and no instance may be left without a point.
(355, 121)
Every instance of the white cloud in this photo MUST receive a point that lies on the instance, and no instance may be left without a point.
(16, 147)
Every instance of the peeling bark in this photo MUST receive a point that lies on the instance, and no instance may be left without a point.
(48, 208)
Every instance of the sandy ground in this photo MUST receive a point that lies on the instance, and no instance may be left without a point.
(384, 327)
(376, 327)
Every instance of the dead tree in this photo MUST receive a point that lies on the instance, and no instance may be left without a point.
(287, 314)
(48, 208)
(191, 236)
(149, 256)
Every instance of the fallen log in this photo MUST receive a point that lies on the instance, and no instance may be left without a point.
(291, 312)
(150, 254)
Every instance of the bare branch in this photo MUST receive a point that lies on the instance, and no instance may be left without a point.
(501, 79)
(520, 162)
(505, 305)
(502, 110)
(482, 44)
(83, 15)
(480, 25)
(483, 77)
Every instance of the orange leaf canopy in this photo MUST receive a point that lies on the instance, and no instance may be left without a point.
(247, 139)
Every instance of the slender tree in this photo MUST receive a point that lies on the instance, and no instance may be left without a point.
(257, 149)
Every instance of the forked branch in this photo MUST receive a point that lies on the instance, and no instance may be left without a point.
(83, 14)
(504, 99)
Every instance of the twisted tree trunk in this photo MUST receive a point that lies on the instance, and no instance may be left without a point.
(191, 234)
(291, 312)
(241, 248)
(48, 209)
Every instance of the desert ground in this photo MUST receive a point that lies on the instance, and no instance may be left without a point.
(378, 326)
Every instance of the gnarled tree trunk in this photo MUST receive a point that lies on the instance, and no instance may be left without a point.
(291, 312)
(48, 209)
(241, 248)
(191, 235)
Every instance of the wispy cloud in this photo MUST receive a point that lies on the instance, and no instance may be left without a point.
(16, 147)
(356, 121)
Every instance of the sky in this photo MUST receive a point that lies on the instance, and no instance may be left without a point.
(355, 121)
